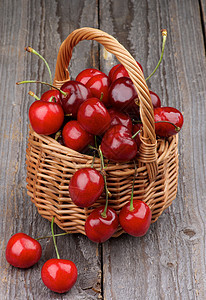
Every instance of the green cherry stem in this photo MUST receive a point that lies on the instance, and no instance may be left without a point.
(49, 236)
(136, 133)
(132, 194)
(164, 35)
(55, 245)
(31, 50)
(177, 128)
(33, 95)
(104, 213)
(42, 82)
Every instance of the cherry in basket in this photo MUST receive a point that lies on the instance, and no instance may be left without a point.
(85, 75)
(119, 71)
(120, 118)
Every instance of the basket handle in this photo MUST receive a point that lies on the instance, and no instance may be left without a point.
(148, 146)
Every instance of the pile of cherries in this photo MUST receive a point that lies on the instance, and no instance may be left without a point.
(98, 113)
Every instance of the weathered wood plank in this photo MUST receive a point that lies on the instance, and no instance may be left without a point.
(169, 262)
(43, 25)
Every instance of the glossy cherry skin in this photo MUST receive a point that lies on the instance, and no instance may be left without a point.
(87, 74)
(77, 93)
(93, 116)
(119, 118)
(75, 137)
(121, 72)
(99, 87)
(99, 229)
(169, 114)
(137, 221)
(136, 128)
(51, 96)
(113, 69)
(46, 117)
(117, 144)
(86, 186)
(59, 275)
(23, 251)
(122, 96)
(155, 99)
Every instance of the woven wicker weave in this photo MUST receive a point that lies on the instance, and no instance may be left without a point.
(50, 165)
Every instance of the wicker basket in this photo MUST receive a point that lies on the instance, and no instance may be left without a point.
(51, 165)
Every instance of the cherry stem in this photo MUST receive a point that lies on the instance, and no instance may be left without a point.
(49, 236)
(31, 50)
(104, 213)
(131, 207)
(136, 133)
(51, 99)
(164, 36)
(101, 97)
(33, 95)
(55, 245)
(42, 82)
(57, 135)
(177, 128)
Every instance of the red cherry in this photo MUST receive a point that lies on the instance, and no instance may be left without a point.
(59, 275)
(113, 69)
(122, 95)
(119, 118)
(23, 251)
(117, 144)
(121, 72)
(99, 87)
(136, 128)
(86, 74)
(46, 117)
(155, 99)
(75, 137)
(86, 186)
(77, 93)
(93, 116)
(169, 114)
(98, 228)
(137, 221)
(51, 96)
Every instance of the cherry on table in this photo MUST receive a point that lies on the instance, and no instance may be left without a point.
(117, 144)
(75, 137)
(22, 251)
(100, 228)
(86, 186)
(93, 116)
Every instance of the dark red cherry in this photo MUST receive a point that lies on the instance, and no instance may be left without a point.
(51, 96)
(169, 114)
(155, 99)
(77, 93)
(113, 69)
(136, 128)
(121, 72)
(117, 144)
(122, 96)
(137, 221)
(98, 228)
(86, 74)
(22, 251)
(75, 137)
(119, 118)
(86, 186)
(46, 117)
(93, 116)
(59, 275)
(99, 87)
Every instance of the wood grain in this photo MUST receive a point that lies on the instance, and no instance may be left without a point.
(169, 262)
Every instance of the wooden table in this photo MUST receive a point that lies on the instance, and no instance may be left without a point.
(167, 263)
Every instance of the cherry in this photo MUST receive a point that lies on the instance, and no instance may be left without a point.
(136, 220)
(122, 95)
(86, 74)
(117, 144)
(93, 116)
(120, 71)
(99, 87)
(51, 96)
(136, 128)
(168, 121)
(86, 186)
(77, 93)
(23, 251)
(99, 228)
(59, 275)
(113, 69)
(75, 137)
(155, 99)
(119, 118)
(46, 117)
